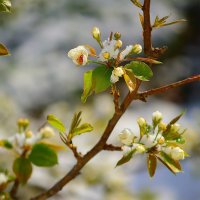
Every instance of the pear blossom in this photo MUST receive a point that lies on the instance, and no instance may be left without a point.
(126, 136)
(157, 117)
(3, 178)
(177, 153)
(139, 148)
(125, 52)
(174, 128)
(141, 122)
(113, 78)
(116, 73)
(126, 150)
(148, 140)
(79, 55)
(47, 132)
(109, 47)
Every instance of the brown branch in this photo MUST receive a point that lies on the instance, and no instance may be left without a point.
(110, 147)
(14, 189)
(165, 88)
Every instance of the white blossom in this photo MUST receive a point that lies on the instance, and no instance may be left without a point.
(3, 178)
(126, 149)
(157, 117)
(118, 71)
(79, 55)
(141, 122)
(148, 141)
(126, 136)
(177, 153)
(113, 78)
(139, 148)
(125, 52)
(47, 132)
(109, 48)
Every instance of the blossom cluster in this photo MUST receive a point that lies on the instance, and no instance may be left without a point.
(24, 139)
(111, 53)
(156, 138)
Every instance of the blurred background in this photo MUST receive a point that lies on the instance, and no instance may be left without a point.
(38, 79)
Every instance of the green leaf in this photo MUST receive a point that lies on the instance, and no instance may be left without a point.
(23, 169)
(173, 165)
(5, 5)
(56, 123)
(151, 164)
(101, 78)
(3, 50)
(43, 156)
(84, 128)
(87, 86)
(126, 158)
(75, 121)
(141, 70)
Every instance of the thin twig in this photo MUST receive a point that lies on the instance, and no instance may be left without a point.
(110, 147)
(163, 89)
(14, 189)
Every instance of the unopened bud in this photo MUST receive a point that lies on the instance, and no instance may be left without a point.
(29, 134)
(174, 128)
(162, 126)
(140, 148)
(161, 140)
(47, 132)
(137, 49)
(157, 118)
(96, 33)
(177, 153)
(118, 44)
(117, 35)
(141, 122)
(23, 123)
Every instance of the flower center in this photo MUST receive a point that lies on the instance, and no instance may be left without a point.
(80, 59)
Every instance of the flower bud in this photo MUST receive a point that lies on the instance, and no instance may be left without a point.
(118, 44)
(177, 153)
(140, 148)
(3, 178)
(113, 78)
(174, 128)
(137, 49)
(23, 123)
(29, 134)
(162, 126)
(117, 35)
(118, 71)
(141, 122)
(161, 140)
(157, 118)
(96, 33)
(47, 132)
(126, 136)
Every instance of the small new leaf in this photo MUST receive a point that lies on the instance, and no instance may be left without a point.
(84, 128)
(23, 169)
(87, 86)
(151, 164)
(126, 158)
(3, 50)
(76, 128)
(137, 3)
(160, 22)
(5, 5)
(141, 70)
(56, 123)
(43, 156)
